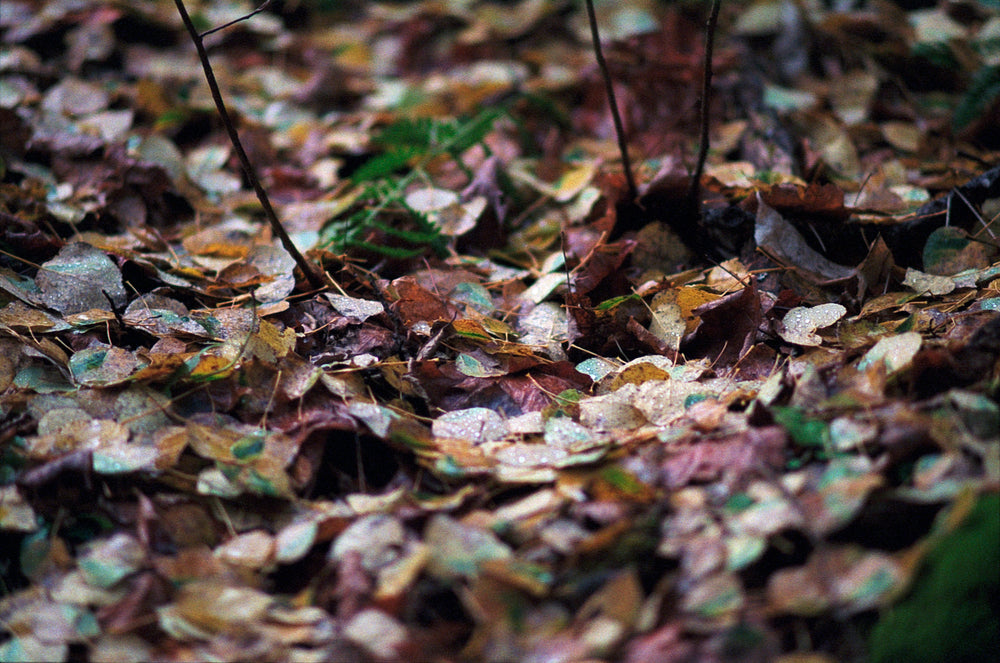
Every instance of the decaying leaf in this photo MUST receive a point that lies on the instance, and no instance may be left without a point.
(536, 408)
(800, 324)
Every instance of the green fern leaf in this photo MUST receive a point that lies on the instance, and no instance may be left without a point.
(385, 164)
(388, 251)
(473, 131)
(983, 89)
(407, 132)
(428, 237)
(408, 143)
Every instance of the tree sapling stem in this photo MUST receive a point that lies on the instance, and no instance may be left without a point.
(633, 191)
(694, 192)
(315, 280)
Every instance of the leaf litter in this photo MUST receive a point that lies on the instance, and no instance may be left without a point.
(518, 425)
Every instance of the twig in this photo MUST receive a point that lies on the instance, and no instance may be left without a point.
(694, 192)
(975, 212)
(315, 280)
(619, 129)
(267, 3)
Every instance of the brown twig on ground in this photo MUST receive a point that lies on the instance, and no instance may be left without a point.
(315, 280)
(615, 116)
(694, 192)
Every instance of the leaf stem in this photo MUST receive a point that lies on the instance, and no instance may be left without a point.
(315, 280)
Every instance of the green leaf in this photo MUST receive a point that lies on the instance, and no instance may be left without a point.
(609, 304)
(693, 399)
(938, 53)
(806, 432)
(413, 132)
(388, 251)
(983, 89)
(738, 502)
(952, 612)
(385, 164)
(248, 446)
(412, 236)
(408, 143)
(569, 397)
(474, 131)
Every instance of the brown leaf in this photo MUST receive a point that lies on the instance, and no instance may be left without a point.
(728, 327)
(664, 645)
(706, 461)
(812, 199)
(417, 304)
(136, 612)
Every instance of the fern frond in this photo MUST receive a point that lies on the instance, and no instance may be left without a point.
(386, 164)
(984, 88)
(388, 251)
(409, 144)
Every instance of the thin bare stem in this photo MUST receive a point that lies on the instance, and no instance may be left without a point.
(694, 193)
(267, 3)
(615, 116)
(315, 280)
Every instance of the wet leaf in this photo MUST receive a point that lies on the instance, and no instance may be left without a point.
(777, 236)
(800, 324)
(499, 434)
(359, 309)
(950, 250)
(861, 580)
(476, 425)
(377, 632)
(102, 366)
(922, 283)
(80, 278)
(108, 562)
(457, 549)
(894, 352)
(16, 515)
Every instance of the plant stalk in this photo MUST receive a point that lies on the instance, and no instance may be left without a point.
(694, 192)
(633, 191)
(315, 280)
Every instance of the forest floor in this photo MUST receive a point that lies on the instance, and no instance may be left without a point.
(531, 414)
